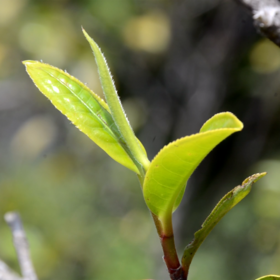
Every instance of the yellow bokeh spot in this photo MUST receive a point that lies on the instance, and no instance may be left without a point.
(265, 57)
(38, 38)
(150, 32)
(34, 137)
(33, 36)
(10, 9)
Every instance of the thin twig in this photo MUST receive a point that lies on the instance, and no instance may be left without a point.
(21, 245)
(6, 273)
(266, 16)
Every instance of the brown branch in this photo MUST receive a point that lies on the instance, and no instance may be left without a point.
(266, 16)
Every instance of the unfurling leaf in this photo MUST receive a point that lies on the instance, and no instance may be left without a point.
(136, 152)
(83, 107)
(224, 206)
(166, 178)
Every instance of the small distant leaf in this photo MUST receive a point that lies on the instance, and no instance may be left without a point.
(81, 106)
(224, 206)
(269, 277)
(166, 178)
(138, 156)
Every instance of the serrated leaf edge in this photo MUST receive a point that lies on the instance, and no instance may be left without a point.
(209, 132)
(96, 96)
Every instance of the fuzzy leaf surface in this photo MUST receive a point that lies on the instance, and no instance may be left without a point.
(269, 277)
(170, 170)
(136, 152)
(82, 107)
(224, 206)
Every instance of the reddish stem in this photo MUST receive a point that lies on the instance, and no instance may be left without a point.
(169, 251)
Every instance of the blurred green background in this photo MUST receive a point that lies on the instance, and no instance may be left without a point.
(175, 64)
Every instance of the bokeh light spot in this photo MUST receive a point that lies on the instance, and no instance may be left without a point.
(33, 137)
(265, 57)
(10, 9)
(150, 32)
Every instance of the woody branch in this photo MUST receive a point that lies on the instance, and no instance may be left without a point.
(266, 16)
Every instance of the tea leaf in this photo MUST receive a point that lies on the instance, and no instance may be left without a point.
(170, 170)
(81, 106)
(224, 206)
(138, 156)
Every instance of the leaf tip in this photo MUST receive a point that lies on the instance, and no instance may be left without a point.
(31, 63)
(27, 62)
(86, 34)
(254, 178)
(224, 120)
(93, 44)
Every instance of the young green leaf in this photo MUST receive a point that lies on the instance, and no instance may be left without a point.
(224, 206)
(81, 106)
(138, 156)
(170, 170)
(269, 277)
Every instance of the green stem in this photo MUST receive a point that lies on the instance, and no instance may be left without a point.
(166, 236)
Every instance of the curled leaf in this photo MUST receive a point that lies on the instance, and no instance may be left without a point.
(166, 178)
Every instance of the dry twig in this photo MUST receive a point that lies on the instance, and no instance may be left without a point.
(266, 16)
(21, 245)
(6, 273)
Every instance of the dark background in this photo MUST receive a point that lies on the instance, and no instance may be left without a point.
(175, 64)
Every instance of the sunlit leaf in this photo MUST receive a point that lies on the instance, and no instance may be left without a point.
(170, 170)
(224, 206)
(269, 277)
(113, 101)
(81, 106)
